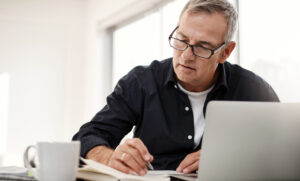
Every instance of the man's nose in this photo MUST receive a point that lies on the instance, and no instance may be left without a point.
(188, 53)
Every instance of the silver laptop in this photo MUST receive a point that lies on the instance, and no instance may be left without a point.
(251, 141)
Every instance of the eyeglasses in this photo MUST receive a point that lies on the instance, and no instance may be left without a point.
(197, 50)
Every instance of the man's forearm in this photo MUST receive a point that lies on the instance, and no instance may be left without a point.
(100, 154)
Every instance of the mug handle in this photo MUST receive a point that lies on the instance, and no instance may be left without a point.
(26, 161)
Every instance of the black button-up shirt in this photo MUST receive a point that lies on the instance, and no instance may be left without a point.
(148, 99)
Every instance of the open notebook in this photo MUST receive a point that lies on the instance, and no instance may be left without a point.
(97, 172)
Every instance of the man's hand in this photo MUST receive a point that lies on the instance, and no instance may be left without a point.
(129, 157)
(100, 154)
(190, 163)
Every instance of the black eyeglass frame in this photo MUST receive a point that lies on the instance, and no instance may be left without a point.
(192, 46)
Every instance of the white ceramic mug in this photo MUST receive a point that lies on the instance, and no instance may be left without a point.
(58, 161)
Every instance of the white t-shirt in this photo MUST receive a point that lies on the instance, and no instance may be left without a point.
(197, 100)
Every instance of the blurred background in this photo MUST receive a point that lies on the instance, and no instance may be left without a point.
(59, 59)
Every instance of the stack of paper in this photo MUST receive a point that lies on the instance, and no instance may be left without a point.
(15, 173)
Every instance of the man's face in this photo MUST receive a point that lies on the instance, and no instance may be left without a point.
(207, 30)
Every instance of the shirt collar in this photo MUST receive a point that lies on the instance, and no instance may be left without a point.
(170, 74)
(221, 82)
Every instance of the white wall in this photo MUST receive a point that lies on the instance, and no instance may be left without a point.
(4, 94)
(41, 45)
(55, 53)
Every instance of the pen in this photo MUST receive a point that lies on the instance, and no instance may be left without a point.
(149, 166)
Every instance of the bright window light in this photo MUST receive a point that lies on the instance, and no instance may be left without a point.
(269, 38)
(133, 45)
(145, 40)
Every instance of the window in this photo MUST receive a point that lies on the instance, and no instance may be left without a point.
(133, 45)
(269, 41)
(145, 40)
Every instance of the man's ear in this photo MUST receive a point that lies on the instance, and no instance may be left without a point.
(227, 51)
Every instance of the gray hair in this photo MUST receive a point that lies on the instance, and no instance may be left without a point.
(215, 6)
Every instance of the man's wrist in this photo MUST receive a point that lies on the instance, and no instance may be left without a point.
(101, 154)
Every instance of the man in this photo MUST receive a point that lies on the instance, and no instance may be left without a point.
(166, 101)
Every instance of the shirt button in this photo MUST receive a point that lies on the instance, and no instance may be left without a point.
(175, 86)
(190, 137)
(187, 108)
